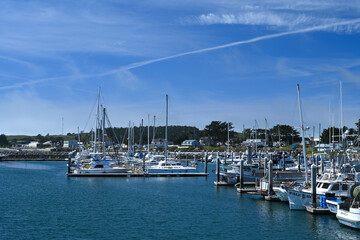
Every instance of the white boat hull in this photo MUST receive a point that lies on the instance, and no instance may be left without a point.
(101, 171)
(298, 200)
(349, 218)
(172, 170)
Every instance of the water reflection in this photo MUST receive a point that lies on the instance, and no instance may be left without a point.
(25, 165)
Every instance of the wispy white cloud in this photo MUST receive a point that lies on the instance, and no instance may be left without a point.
(124, 69)
(290, 15)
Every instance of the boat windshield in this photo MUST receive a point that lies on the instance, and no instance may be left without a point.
(335, 187)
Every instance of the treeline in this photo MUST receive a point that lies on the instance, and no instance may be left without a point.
(216, 131)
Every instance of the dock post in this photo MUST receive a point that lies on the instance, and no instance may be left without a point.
(317, 164)
(217, 170)
(270, 178)
(313, 185)
(322, 166)
(206, 160)
(241, 185)
(143, 165)
(284, 163)
(299, 163)
(249, 156)
(265, 165)
(69, 163)
(187, 163)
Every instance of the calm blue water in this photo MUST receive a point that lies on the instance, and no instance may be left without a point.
(38, 201)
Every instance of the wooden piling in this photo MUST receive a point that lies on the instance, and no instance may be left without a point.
(217, 170)
(270, 178)
(313, 185)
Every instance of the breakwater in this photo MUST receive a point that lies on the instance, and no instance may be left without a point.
(33, 155)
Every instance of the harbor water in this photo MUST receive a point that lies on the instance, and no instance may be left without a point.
(38, 201)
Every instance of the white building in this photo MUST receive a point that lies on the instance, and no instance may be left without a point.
(190, 143)
(70, 144)
(253, 142)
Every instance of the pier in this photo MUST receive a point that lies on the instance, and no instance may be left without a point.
(140, 175)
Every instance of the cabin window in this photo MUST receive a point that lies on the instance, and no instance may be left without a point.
(344, 187)
(325, 185)
(335, 187)
(318, 185)
(98, 166)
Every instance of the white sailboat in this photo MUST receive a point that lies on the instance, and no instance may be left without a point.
(96, 162)
(167, 166)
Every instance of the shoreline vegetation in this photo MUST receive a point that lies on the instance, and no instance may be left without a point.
(217, 136)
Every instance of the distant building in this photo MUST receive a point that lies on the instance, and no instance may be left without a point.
(323, 147)
(160, 143)
(254, 142)
(20, 144)
(190, 143)
(70, 144)
(207, 141)
(32, 144)
(48, 143)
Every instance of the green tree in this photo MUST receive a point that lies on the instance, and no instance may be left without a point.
(219, 130)
(358, 126)
(179, 139)
(329, 135)
(3, 141)
(286, 133)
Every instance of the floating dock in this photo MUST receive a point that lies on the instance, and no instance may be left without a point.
(138, 175)
(317, 210)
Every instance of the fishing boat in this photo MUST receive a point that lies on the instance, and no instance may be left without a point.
(351, 216)
(337, 185)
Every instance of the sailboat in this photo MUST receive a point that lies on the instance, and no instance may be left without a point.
(169, 166)
(97, 163)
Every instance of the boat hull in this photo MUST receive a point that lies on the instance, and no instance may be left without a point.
(298, 200)
(101, 171)
(349, 218)
(171, 170)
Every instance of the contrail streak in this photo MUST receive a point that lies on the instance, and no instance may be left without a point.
(256, 39)
(147, 62)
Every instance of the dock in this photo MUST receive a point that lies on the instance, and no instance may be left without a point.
(139, 175)
(317, 210)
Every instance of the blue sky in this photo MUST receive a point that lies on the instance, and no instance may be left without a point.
(235, 61)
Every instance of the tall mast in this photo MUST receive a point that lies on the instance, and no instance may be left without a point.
(265, 132)
(228, 137)
(341, 116)
(302, 135)
(154, 133)
(97, 120)
(148, 134)
(133, 138)
(103, 132)
(129, 138)
(256, 128)
(166, 133)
